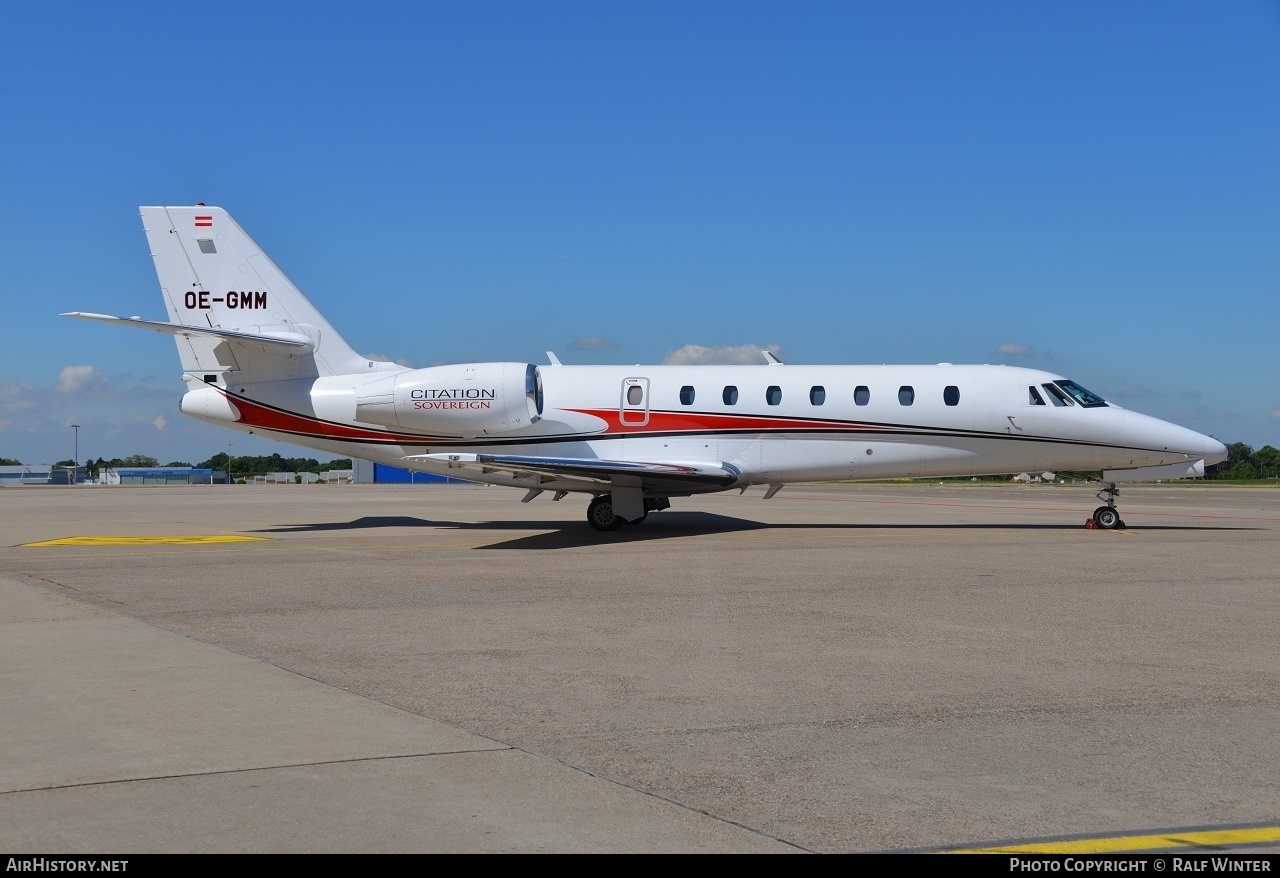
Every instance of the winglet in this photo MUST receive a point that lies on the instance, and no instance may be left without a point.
(555, 361)
(771, 359)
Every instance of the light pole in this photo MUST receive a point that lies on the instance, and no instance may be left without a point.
(76, 468)
(228, 463)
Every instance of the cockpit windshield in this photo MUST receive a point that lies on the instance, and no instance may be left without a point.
(1086, 398)
(1057, 395)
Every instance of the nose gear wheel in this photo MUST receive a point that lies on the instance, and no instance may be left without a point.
(1106, 517)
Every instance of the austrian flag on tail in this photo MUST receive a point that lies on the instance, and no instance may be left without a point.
(204, 220)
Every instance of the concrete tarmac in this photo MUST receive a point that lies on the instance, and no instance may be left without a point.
(444, 669)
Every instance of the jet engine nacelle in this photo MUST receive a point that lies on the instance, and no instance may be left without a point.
(472, 399)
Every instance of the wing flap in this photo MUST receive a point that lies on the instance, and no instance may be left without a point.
(658, 475)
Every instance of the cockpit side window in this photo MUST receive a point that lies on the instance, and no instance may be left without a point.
(1034, 397)
(1056, 396)
(1086, 398)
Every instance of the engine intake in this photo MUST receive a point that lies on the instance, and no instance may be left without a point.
(472, 399)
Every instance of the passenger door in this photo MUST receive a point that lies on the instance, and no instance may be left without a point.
(633, 409)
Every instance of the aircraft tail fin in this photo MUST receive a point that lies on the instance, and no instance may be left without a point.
(215, 279)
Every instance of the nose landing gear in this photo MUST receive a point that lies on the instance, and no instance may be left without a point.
(1106, 517)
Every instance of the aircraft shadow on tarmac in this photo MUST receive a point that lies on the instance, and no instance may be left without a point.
(664, 526)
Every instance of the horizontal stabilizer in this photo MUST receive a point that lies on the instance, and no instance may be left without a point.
(603, 472)
(295, 343)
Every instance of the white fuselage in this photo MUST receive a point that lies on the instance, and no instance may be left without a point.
(784, 424)
(258, 356)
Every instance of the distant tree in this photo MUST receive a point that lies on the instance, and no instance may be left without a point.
(221, 463)
(177, 463)
(1267, 459)
(67, 462)
(340, 463)
(1239, 461)
(139, 460)
(10, 461)
(1242, 470)
(260, 465)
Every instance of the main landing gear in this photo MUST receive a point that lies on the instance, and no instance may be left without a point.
(1106, 517)
(601, 516)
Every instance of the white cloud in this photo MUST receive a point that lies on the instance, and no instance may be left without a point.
(118, 414)
(15, 397)
(720, 355)
(1013, 349)
(1275, 416)
(75, 379)
(593, 343)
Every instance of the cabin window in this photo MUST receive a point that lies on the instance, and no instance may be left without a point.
(861, 395)
(1086, 398)
(1033, 396)
(951, 395)
(635, 395)
(730, 395)
(817, 395)
(773, 395)
(686, 395)
(1056, 396)
(906, 395)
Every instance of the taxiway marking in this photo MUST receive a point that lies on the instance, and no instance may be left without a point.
(147, 540)
(1207, 838)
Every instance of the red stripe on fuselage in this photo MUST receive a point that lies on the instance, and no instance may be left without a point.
(270, 418)
(709, 422)
(267, 417)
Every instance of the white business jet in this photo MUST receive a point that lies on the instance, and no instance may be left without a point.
(258, 357)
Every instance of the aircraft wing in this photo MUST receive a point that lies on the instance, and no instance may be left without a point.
(291, 342)
(593, 473)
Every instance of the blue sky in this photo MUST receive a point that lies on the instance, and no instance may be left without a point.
(1091, 188)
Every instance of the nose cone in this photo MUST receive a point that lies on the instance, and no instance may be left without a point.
(1214, 451)
(1162, 439)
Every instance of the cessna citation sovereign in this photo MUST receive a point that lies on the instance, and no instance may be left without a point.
(258, 357)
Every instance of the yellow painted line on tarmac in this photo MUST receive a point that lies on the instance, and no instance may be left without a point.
(1208, 838)
(184, 539)
(764, 534)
